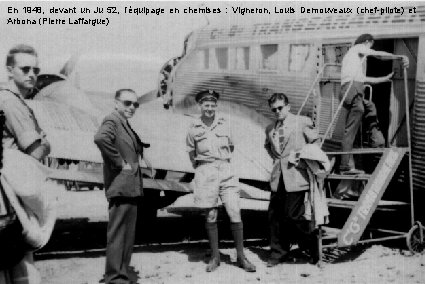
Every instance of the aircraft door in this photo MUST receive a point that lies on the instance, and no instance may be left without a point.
(397, 130)
(329, 89)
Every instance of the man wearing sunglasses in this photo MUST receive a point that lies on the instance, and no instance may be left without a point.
(209, 145)
(289, 183)
(121, 148)
(22, 68)
(22, 131)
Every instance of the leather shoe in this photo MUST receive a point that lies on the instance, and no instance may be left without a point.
(273, 261)
(246, 265)
(133, 274)
(213, 264)
(314, 260)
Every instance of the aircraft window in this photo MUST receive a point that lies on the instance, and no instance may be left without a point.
(206, 58)
(298, 56)
(242, 58)
(269, 56)
(203, 59)
(333, 53)
(222, 57)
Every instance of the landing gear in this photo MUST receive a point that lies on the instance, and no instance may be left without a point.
(68, 186)
(416, 238)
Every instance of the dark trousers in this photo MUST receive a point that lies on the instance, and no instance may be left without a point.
(358, 109)
(120, 239)
(286, 222)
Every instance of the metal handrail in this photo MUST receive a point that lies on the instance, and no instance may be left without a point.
(371, 92)
(339, 108)
(2, 126)
(407, 121)
(401, 123)
(314, 84)
(345, 95)
(370, 99)
(337, 112)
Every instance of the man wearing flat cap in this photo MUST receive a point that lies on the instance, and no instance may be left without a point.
(210, 147)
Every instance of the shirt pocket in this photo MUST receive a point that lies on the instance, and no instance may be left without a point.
(201, 143)
(223, 141)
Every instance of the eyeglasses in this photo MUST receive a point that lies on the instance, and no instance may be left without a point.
(274, 109)
(129, 103)
(26, 69)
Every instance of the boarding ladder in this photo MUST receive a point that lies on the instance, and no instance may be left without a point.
(375, 183)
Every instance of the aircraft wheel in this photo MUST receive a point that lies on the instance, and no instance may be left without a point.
(416, 238)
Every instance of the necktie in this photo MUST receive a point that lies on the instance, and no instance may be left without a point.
(281, 136)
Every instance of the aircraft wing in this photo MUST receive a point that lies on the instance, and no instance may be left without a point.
(69, 130)
(166, 132)
(70, 122)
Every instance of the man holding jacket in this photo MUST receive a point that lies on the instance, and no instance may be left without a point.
(289, 183)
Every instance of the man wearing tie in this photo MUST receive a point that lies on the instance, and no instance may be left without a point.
(289, 183)
(120, 147)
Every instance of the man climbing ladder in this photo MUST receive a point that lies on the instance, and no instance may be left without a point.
(353, 78)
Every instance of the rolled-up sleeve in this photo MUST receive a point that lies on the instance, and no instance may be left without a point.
(20, 124)
(190, 144)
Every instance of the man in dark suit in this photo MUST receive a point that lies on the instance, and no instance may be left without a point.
(120, 147)
(289, 183)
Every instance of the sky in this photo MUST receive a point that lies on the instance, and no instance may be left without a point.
(156, 37)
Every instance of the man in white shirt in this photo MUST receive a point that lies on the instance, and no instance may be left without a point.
(354, 66)
(22, 132)
(210, 147)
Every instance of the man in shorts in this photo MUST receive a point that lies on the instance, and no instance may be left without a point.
(210, 146)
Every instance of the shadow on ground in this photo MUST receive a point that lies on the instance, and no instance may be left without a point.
(80, 237)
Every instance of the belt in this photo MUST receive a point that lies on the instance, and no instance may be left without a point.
(203, 162)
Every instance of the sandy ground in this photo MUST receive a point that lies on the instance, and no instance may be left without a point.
(184, 264)
(76, 254)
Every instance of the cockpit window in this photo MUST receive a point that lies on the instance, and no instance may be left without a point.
(222, 57)
(269, 56)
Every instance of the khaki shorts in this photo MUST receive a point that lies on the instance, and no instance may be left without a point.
(213, 180)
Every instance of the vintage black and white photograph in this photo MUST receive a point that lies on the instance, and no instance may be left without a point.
(212, 142)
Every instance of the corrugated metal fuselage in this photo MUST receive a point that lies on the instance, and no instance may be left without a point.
(246, 69)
